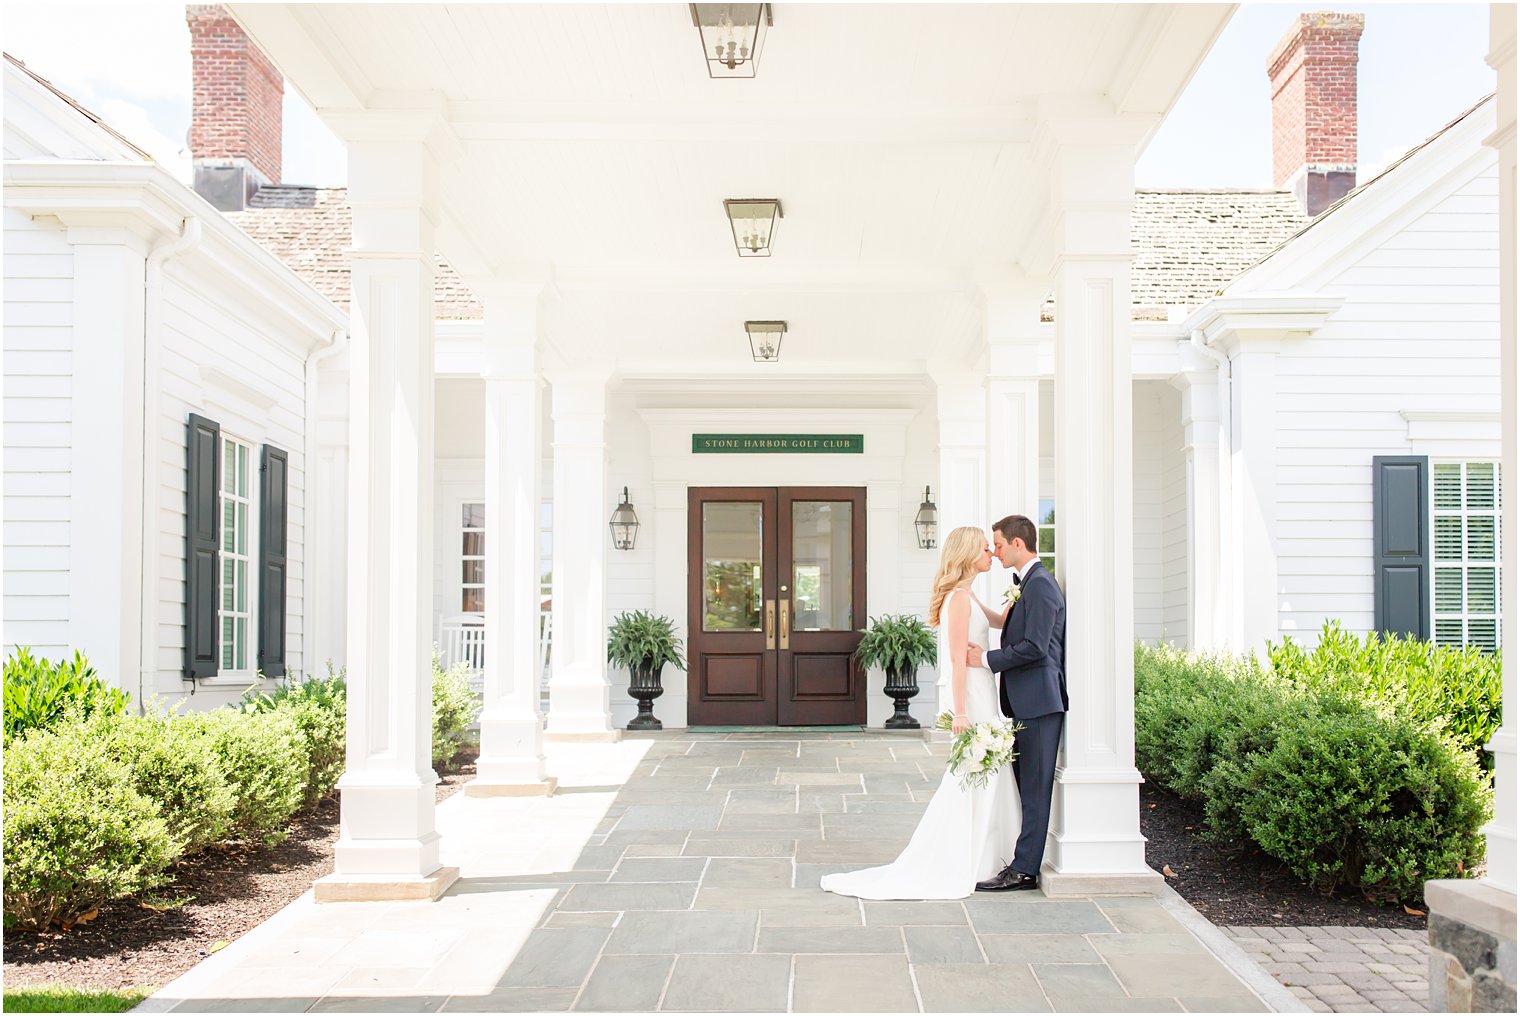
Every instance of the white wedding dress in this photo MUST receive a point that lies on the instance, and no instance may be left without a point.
(965, 836)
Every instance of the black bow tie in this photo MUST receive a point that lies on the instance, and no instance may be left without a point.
(1016, 580)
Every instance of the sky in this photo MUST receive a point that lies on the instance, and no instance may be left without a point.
(1421, 65)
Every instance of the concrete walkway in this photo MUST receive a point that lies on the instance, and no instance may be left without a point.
(1338, 969)
(679, 872)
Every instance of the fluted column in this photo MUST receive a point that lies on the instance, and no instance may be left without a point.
(511, 726)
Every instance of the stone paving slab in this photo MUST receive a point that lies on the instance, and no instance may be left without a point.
(1342, 969)
(678, 872)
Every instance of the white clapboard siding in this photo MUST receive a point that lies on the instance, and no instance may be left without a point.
(1418, 332)
(38, 413)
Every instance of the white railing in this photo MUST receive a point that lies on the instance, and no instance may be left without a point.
(462, 639)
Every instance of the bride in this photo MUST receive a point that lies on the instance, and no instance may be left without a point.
(968, 835)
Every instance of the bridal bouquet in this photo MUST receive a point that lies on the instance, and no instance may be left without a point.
(981, 750)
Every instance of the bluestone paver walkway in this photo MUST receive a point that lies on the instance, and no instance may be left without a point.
(1339, 969)
(679, 872)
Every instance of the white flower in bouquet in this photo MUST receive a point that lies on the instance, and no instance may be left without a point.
(1011, 594)
(979, 751)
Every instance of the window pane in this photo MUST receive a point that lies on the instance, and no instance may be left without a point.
(229, 466)
(474, 516)
(229, 526)
(822, 561)
(1448, 483)
(731, 567)
(1047, 539)
(1449, 538)
(1448, 590)
(240, 626)
(242, 454)
(242, 586)
(229, 651)
(228, 600)
(474, 571)
(1482, 590)
(473, 600)
(1483, 634)
(1449, 631)
(1480, 538)
(242, 529)
(1480, 486)
(1047, 511)
(474, 544)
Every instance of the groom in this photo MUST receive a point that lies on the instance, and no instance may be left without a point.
(1032, 663)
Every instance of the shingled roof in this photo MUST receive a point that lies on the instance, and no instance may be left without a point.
(1188, 243)
(311, 230)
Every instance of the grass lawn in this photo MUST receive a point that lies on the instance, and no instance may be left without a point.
(58, 998)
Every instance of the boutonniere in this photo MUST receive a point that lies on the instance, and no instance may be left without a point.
(1011, 595)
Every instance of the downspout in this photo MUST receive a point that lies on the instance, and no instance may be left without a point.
(329, 348)
(1223, 593)
(153, 287)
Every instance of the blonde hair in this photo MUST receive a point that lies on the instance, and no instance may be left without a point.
(957, 563)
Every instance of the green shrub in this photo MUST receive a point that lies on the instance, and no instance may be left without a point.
(266, 759)
(1349, 798)
(454, 708)
(319, 707)
(1342, 786)
(179, 771)
(1459, 689)
(38, 693)
(77, 832)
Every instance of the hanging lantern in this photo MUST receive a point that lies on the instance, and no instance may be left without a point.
(765, 339)
(753, 221)
(624, 524)
(732, 35)
(927, 523)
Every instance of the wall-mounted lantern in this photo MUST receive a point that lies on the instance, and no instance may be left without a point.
(927, 523)
(753, 221)
(624, 524)
(765, 339)
(732, 35)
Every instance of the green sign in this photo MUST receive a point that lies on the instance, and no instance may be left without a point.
(811, 444)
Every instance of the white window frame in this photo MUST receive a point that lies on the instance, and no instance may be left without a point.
(250, 558)
(1465, 617)
(483, 529)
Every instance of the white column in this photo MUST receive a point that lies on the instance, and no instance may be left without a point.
(961, 496)
(1501, 831)
(579, 696)
(511, 725)
(667, 528)
(1095, 842)
(1252, 593)
(105, 528)
(1201, 450)
(388, 846)
(1013, 397)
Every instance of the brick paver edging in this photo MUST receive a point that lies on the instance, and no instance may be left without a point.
(1336, 969)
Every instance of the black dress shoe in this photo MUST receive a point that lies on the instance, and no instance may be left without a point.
(1007, 881)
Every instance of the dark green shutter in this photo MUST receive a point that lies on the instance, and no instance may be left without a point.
(274, 472)
(1401, 544)
(203, 482)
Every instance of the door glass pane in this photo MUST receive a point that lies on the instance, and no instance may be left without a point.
(474, 571)
(731, 583)
(822, 563)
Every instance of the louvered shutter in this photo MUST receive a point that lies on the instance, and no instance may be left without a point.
(274, 472)
(203, 481)
(1401, 545)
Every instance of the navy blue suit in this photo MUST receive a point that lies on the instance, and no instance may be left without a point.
(1032, 663)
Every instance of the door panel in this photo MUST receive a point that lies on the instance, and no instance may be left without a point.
(776, 591)
(732, 664)
(821, 544)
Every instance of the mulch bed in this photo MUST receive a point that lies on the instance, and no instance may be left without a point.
(231, 892)
(1237, 884)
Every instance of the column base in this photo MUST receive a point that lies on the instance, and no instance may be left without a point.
(336, 888)
(1133, 883)
(584, 736)
(1472, 946)
(490, 788)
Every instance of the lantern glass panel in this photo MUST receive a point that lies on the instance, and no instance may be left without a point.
(765, 339)
(732, 37)
(753, 222)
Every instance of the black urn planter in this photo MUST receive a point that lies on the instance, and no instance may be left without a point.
(901, 686)
(644, 685)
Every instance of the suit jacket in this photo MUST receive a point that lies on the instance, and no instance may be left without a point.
(1032, 657)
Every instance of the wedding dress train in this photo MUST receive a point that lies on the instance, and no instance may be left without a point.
(965, 836)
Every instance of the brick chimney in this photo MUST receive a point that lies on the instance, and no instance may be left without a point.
(1313, 74)
(235, 110)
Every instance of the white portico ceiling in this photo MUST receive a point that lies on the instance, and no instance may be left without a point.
(592, 142)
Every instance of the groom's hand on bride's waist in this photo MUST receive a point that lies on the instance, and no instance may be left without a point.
(973, 655)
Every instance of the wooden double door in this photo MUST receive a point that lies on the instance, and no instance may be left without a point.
(776, 593)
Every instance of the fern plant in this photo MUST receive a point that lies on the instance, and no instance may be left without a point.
(896, 643)
(641, 639)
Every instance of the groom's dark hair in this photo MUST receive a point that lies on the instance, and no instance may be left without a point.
(1018, 526)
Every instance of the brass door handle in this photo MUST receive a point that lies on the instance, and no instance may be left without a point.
(770, 624)
(786, 624)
